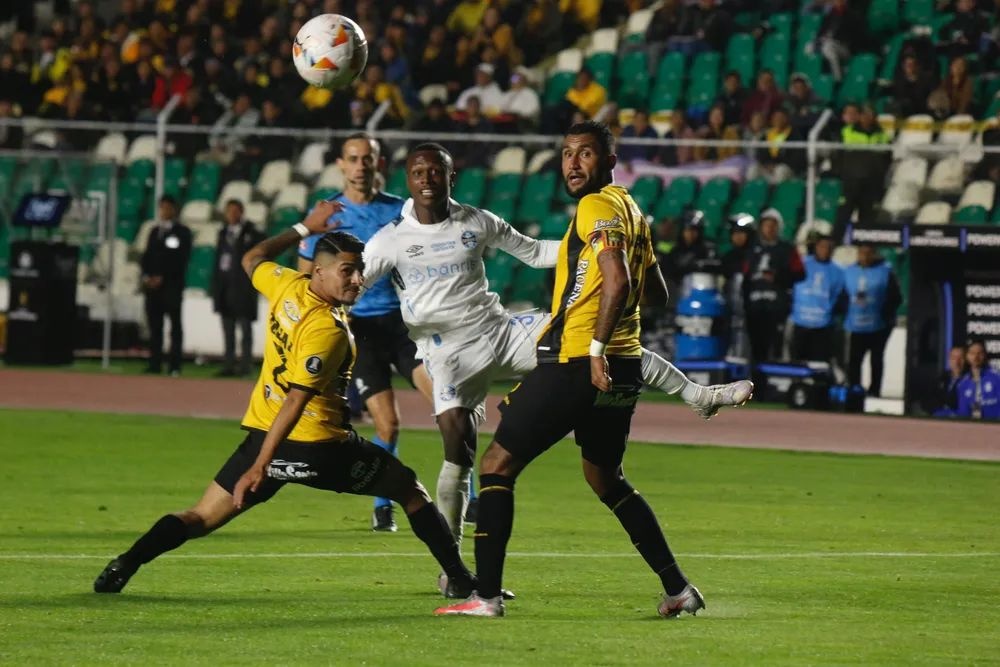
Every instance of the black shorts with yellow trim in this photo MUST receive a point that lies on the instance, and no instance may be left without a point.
(557, 398)
(383, 343)
(353, 465)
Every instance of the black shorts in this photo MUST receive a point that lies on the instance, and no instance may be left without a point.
(383, 341)
(351, 466)
(554, 399)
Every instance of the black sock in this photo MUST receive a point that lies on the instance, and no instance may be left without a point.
(642, 527)
(166, 534)
(495, 520)
(432, 529)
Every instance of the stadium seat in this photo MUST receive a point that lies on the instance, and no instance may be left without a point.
(503, 188)
(294, 195)
(510, 160)
(131, 203)
(811, 65)
(282, 219)
(634, 83)
(934, 213)
(539, 159)
(196, 211)
(603, 40)
(256, 211)
(891, 60)
(201, 267)
(740, 55)
(857, 80)
(568, 60)
(500, 272)
(782, 24)
(704, 85)
(142, 147)
(312, 159)
(431, 92)
(883, 17)
(332, 177)
(395, 185)
(971, 215)
(957, 130)
(204, 181)
(978, 193)
(530, 285)
(774, 55)
(556, 86)
(112, 146)
(676, 197)
(714, 193)
(141, 237)
(916, 131)
(141, 171)
(99, 177)
(635, 27)
(887, 122)
(174, 175)
(910, 170)
(823, 87)
(470, 186)
(69, 175)
(536, 197)
(554, 225)
(947, 176)
(828, 192)
(751, 198)
(645, 191)
(505, 209)
(918, 12)
(274, 176)
(239, 190)
(807, 30)
(8, 171)
(789, 195)
(602, 65)
(203, 232)
(901, 199)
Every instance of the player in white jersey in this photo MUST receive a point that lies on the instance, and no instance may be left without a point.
(464, 335)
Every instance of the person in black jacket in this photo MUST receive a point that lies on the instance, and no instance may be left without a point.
(690, 250)
(233, 296)
(164, 264)
(773, 266)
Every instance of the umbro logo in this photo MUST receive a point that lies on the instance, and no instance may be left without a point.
(414, 251)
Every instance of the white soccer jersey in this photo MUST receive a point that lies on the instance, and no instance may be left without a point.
(438, 269)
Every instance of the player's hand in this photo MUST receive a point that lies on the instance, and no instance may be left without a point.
(250, 481)
(318, 219)
(600, 376)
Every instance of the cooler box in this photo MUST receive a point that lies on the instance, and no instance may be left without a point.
(803, 385)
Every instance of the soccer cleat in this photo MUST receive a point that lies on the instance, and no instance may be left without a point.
(458, 591)
(689, 600)
(475, 606)
(383, 521)
(114, 577)
(472, 511)
(722, 395)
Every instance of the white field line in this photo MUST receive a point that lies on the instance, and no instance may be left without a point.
(807, 555)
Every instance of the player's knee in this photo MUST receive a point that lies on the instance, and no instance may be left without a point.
(603, 481)
(497, 461)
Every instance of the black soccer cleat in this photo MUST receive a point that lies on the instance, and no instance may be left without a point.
(472, 511)
(383, 521)
(455, 590)
(114, 577)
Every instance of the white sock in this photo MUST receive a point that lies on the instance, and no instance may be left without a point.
(453, 495)
(660, 374)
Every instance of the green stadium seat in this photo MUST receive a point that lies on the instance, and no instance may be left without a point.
(556, 87)
(670, 73)
(603, 66)
(283, 218)
(470, 186)
(810, 64)
(679, 194)
(536, 198)
(70, 175)
(504, 208)
(175, 171)
(32, 176)
(131, 199)
(774, 55)
(8, 169)
(809, 24)
(789, 197)
(828, 192)
(323, 193)
(994, 108)
(662, 99)
(500, 272)
(971, 215)
(918, 12)
(645, 191)
(204, 182)
(503, 187)
(127, 228)
(857, 79)
(883, 17)
(937, 22)
(823, 87)
(740, 55)
(141, 170)
(100, 175)
(531, 285)
(715, 192)
(634, 83)
(891, 59)
(554, 225)
(782, 24)
(396, 183)
(751, 198)
(199, 270)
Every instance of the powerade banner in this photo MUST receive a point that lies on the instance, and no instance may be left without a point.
(954, 296)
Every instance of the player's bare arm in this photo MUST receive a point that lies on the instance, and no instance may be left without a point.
(615, 290)
(291, 409)
(268, 249)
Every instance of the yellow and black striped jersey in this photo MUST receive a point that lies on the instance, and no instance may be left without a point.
(309, 347)
(609, 219)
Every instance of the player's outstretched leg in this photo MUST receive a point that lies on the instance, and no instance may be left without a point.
(659, 373)
(644, 530)
(213, 511)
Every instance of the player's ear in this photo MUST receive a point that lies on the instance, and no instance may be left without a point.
(612, 161)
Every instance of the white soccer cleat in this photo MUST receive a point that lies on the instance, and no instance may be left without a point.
(733, 394)
(475, 606)
(688, 600)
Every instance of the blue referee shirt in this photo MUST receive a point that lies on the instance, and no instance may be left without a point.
(363, 220)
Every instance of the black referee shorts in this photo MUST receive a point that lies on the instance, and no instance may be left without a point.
(350, 466)
(554, 399)
(383, 342)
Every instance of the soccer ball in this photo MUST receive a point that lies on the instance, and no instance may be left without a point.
(330, 51)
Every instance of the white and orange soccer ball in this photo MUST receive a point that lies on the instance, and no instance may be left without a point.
(330, 51)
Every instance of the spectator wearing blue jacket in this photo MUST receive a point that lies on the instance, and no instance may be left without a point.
(979, 390)
(815, 301)
(873, 296)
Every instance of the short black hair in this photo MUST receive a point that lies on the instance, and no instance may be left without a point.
(429, 146)
(168, 199)
(237, 202)
(336, 242)
(599, 131)
(362, 135)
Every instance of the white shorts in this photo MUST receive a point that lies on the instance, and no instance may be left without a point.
(462, 366)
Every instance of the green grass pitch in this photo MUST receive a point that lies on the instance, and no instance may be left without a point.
(803, 559)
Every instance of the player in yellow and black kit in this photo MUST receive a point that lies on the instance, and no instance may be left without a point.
(587, 379)
(297, 423)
